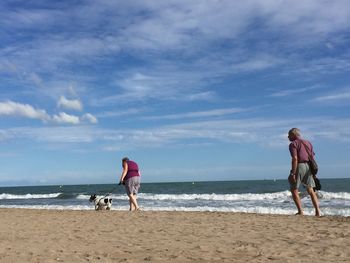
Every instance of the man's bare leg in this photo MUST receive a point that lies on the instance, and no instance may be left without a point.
(297, 201)
(314, 200)
(133, 202)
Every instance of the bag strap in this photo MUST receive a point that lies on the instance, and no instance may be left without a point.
(311, 157)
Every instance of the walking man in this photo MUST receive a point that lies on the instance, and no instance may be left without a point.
(300, 172)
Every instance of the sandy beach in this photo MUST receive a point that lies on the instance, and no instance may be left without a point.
(115, 236)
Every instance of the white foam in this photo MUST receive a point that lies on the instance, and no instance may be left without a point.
(239, 209)
(217, 197)
(49, 207)
(223, 197)
(28, 196)
(331, 196)
(82, 197)
(265, 203)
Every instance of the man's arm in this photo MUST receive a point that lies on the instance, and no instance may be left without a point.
(293, 171)
(294, 164)
(125, 171)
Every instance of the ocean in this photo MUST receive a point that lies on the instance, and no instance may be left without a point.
(261, 196)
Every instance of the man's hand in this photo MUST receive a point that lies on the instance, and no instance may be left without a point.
(292, 178)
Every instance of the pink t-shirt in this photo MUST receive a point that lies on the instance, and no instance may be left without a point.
(133, 170)
(298, 149)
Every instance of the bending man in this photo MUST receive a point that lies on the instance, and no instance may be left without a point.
(300, 172)
(131, 179)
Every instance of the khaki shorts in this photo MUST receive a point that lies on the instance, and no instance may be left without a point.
(303, 177)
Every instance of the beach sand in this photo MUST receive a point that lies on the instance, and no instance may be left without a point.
(116, 236)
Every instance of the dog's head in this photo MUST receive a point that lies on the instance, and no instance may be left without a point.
(92, 198)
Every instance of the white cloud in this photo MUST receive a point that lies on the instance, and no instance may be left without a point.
(266, 132)
(4, 135)
(70, 104)
(62, 134)
(326, 65)
(36, 80)
(163, 82)
(11, 108)
(258, 63)
(194, 28)
(187, 25)
(341, 96)
(90, 118)
(289, 92)
(138, 86)
(64, 118)
(200, 114)
(204, 96)
(184, 25)
(119, 113)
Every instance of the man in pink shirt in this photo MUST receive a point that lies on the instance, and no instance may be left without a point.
(300, 172)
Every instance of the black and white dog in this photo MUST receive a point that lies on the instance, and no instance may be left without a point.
(101, 203)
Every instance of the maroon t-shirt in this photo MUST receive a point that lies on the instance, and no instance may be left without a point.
(298, 149)
(133, 170)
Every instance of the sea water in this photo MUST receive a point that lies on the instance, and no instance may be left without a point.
(263, 196)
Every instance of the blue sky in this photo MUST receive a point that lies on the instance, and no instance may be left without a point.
(191, 90)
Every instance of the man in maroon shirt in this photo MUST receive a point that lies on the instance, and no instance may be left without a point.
(300, 172)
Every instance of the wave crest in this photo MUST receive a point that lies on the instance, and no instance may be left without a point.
(29, 196)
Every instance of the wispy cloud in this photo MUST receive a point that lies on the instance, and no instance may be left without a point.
(265, 132)
(335, 97)
(119, 113)
(289, 92)
(199, 114)
(326, 65)
(201, 96)
(5, 135)
(308, 18)
(175, 22)
(158, 83)
(185, 30)
(257, 63)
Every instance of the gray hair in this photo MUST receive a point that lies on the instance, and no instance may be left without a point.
(295, 132)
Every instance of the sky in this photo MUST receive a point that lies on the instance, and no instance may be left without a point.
(190, 90)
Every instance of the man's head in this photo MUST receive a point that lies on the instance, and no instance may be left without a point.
(125, 159)
(293, 134)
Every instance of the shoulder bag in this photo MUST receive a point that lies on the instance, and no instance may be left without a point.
(313, 166)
